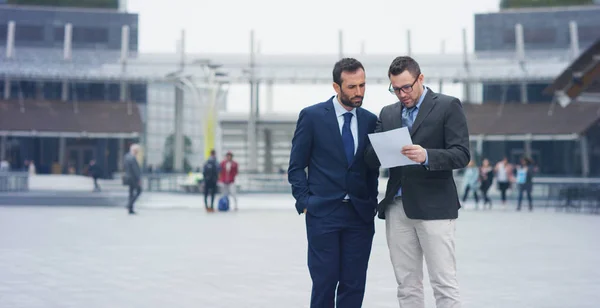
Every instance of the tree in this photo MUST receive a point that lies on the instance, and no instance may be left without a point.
(169, 153)
(509, 4)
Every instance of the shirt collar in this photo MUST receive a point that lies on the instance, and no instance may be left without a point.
(422, 97)
(339, 109)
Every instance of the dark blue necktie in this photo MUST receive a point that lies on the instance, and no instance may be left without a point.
(407, 117)
(347, 137)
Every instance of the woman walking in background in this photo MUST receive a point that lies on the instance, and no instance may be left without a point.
(525, 181)
(486, 177)
(504, 174)
(470, 180)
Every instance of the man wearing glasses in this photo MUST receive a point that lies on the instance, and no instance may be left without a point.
(421, 202)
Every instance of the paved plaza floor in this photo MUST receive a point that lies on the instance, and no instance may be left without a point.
(173, 254)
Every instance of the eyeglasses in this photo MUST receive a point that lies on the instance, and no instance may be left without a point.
(406, 88)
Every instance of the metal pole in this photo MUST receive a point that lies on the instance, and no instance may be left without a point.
(62, 149)
(10, 40)
(341, 43)
(520, 50)
(68, 42)
(408, 43)
(10, 47)
(252, 138)
(211, 114)
(178, 142)
(443, 51)
(124, 55)
(6, 88)
(466, 85)
(574, 35)
(3, 148)
(585, 156)
(67, 53)
(269, 96)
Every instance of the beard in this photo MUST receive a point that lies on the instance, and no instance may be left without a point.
(353, 102)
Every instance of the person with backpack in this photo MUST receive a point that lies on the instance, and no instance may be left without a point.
(211, 176)
(229, 170)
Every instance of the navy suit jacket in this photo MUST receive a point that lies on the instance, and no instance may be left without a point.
(317, 144)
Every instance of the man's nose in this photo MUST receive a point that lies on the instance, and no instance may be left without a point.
(359, 91)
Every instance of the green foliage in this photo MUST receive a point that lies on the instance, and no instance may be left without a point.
(169, 153)
(509, 4)
(105, 4)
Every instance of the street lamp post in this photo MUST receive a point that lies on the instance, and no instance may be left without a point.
(210, 119)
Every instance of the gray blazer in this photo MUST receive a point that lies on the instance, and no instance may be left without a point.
(133, 172)
(428, 193)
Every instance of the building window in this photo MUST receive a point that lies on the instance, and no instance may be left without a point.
(530, 36)
(138, 93)
(91, 35)
(3, 32)
(52, 90)
(539, 35)
(588, 33)
(28, 33)
(508, 37)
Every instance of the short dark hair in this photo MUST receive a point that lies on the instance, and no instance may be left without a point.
(404, 63)
(213, 152)
(350, 65)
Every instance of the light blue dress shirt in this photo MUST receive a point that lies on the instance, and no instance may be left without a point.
(414, 116)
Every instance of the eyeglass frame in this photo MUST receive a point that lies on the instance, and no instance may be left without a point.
(396, 91)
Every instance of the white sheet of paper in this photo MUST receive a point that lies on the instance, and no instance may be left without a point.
(388, 146)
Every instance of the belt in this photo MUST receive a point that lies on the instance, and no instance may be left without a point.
(398, 198)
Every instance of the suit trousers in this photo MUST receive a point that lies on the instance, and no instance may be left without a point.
(409, 240)
(339, 246)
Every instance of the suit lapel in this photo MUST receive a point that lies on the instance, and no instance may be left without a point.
(334, 128)
(362, 132)
(426, 107)
(396, 116)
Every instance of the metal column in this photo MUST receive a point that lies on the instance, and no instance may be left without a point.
(466, 85)
(574, 38)
(124, 56)
(269, 97)
(10, 49)
(178, 142)
(585, 156)
(268, 135)
(443, 51)
(120, 153)
(62, 149)
(67, 51)
(527, 145)
(3, 148)
(408, 43)
(252, 120)
(520, 52)
(341, 43)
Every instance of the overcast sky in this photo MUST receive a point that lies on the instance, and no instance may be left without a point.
(308, 26)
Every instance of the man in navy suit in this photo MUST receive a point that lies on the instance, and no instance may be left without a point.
(339, 195)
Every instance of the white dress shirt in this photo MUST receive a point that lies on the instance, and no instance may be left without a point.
(339, 112)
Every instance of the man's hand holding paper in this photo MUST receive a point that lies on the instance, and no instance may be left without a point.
(394, 148)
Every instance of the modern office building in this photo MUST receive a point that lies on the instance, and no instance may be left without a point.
(552, 33)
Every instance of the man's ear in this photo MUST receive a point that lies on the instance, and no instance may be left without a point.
(336, 88)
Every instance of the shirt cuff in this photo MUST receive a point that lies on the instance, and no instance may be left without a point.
(426, 163)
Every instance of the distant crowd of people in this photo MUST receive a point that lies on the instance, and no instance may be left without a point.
(480, 179)
(213, 173)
